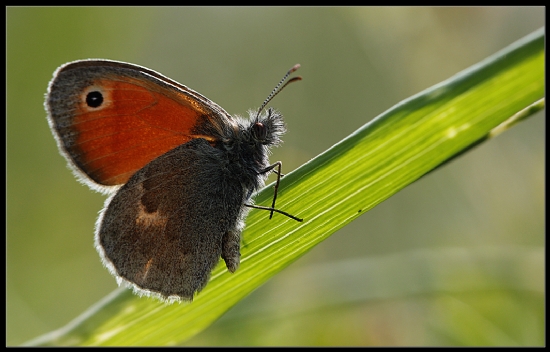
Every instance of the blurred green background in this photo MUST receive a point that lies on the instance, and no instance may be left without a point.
(456, 258)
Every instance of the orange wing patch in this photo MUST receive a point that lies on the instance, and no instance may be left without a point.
(134, 125)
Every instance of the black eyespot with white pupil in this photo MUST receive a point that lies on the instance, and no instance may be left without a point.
(94, 99)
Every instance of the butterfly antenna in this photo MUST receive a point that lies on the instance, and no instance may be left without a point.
(279, 87)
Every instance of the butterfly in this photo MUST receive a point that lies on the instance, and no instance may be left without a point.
(180, 171)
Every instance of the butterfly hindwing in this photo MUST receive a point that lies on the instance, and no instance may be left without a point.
(164, 231)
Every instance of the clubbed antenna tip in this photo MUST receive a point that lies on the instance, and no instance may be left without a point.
(279, 87)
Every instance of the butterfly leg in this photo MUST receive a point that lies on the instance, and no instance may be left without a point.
(274, 210)
(231, 245)
(277, 165)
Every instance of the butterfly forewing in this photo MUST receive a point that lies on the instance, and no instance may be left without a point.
(110, 121)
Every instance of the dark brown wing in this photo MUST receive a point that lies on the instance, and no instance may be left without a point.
(164, 230)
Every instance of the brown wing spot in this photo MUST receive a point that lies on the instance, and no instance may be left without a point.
(145, 218)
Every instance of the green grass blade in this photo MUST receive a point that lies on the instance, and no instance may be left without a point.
(406, 142)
